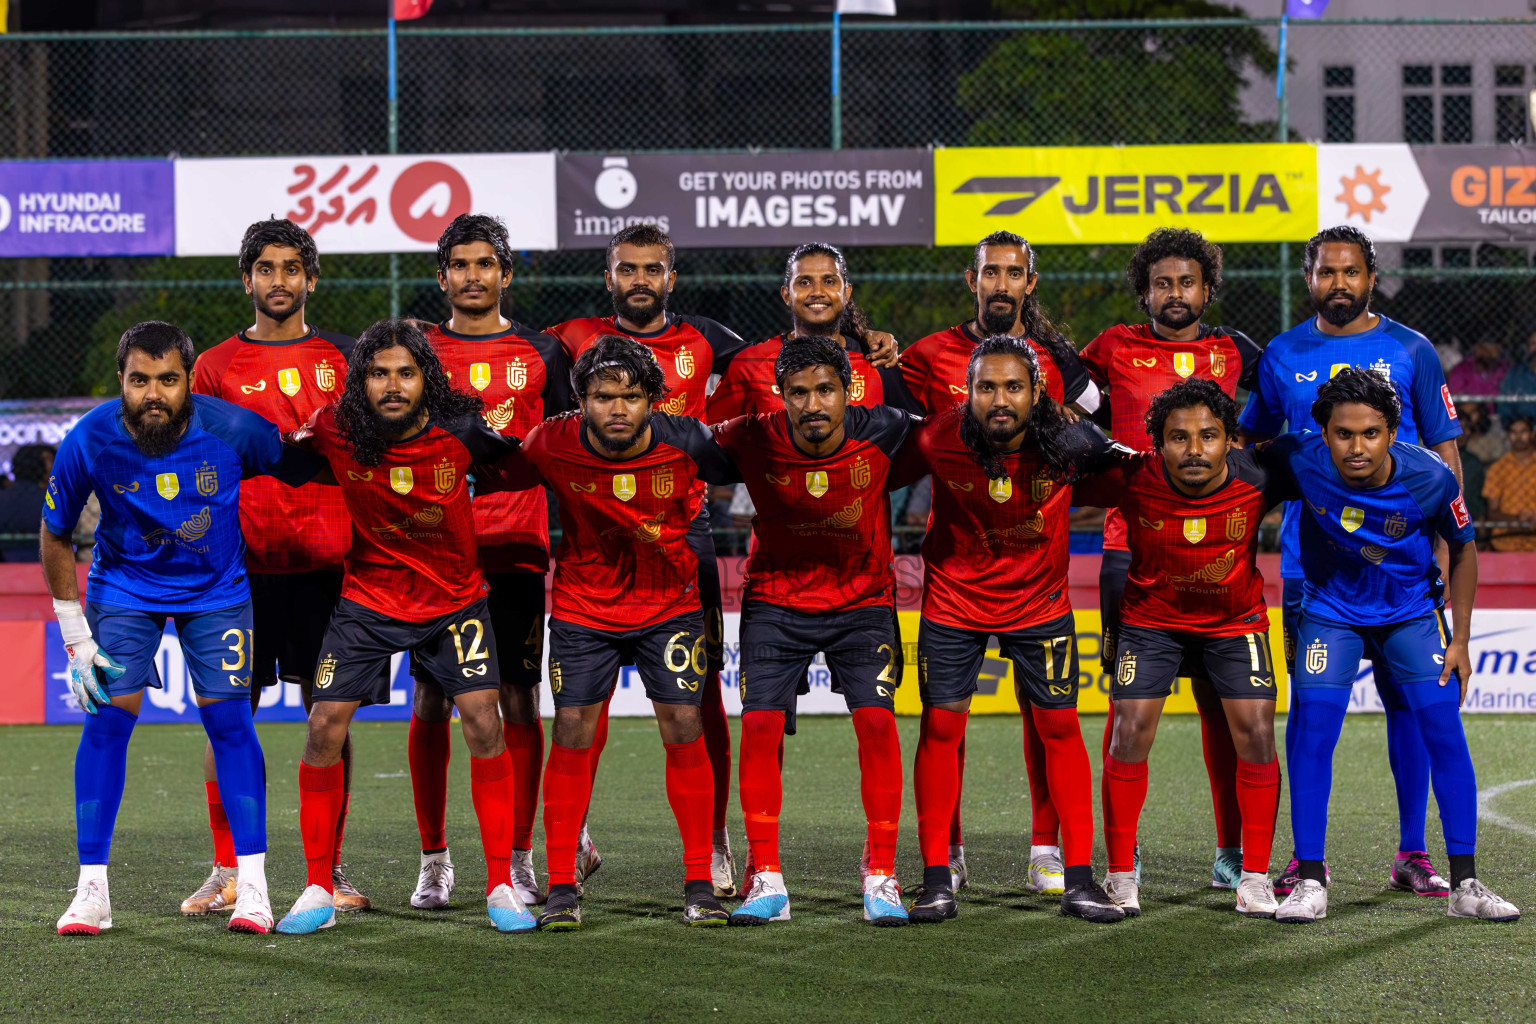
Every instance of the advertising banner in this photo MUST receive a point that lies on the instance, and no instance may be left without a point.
(1107, 194)
(363, 203)
(845, 197)
(87, 208)
(1400, 193)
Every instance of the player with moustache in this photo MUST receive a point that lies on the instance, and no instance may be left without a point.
(1193, 597)
(1175, 275)
(622, 474)
(819, 579)
(522, 376)
(403, 444)
(995, 565)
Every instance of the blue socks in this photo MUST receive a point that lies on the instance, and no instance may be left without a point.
(238, 760)
(101, 764)
(1311, 734)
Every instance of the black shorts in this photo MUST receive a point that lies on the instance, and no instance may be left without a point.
(1114, 566)
(290, 611)
(517, 619)
(669, 656)
(1239, 667)
(702, 540)
(778, 645)
(457, 650)
(1044, 657)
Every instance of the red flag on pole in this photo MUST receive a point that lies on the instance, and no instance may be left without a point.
(405, 10)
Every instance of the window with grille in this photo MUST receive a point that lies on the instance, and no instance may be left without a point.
(1511, 120)
(1437, 103)
(1338, 103)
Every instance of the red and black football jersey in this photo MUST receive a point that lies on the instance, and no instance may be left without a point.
(995, 556)
(413, 553)
(821, 537)
(935, 368)
(287, 529)
(749, 387)
(1192, 559)
(624, 560)
(689, 348)
(522, 376)
(1134, 364)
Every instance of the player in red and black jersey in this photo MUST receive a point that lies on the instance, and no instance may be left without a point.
(284, 369)
(819, 578)
(402, 445)
(1193, 594)
(1175, 274)
(819, 295)
(1002, 278)
(623, 477)
(522, 376)
(995, 564)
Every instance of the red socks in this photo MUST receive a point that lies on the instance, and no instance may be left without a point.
(762, 785)
(1258, 794)
(341, 819)
(1124, 791)
(567, 789)
(690, 791)
(218, 824)
(880, 784)
(1221, 766)
(1070, 779)
(717, 741)
(525, 743)
(936, 779)
(490, 787)
(320, 802)
(1045, 823)
(599, 741)
(427, 750)
(956, 837)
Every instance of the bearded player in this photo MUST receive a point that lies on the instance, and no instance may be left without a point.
(1175, 275)
(1003, 280)
(402, 444)
(1339, 264)
(522, 376)
(819, 579)
(995, 564)
(283, 368)
(1193, 596)
(622, 475)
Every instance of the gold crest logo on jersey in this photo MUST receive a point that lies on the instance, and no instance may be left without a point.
(860, 473)
(1040, 487)
(777, 481)
(1150, 524)
(677, 405)
(1001, 489)
(325, 376)
(1396, 525)
(429, 516)
(401, 480)
(845, 518)
(325, 674)
(624, 486)
(1125, 675)
(1317, 656)
(444, 475)
(1333, 371)
(1144, 363)
(555, 682)
(207, 481)
(1373, 553)
(1352, 518)
(661, 482)
(1183, 363)
(500, 417)
(289, 382)
(1212, 572)
(1218, 364)
(517, 375)
(246, 389)
(816, 482)
(683, 361)
(168, 485)
(1237, 524)
(1194, 529)
(119, 488)
(479, 376)
(856, 388)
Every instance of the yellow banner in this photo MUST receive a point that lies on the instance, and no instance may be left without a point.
(1103, 194)
(995, 693)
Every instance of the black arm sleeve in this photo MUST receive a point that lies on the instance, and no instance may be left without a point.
(344, 343)
(484, 445)
(1249, 353)
(893, 386)
(724, 343)
(1074, 376)
(695, 440)
(557, 373)
(883, 426)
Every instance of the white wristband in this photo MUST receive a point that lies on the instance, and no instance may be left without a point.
(72, 624)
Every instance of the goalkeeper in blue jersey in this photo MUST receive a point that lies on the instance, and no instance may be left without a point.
(166, 467)
(1372, 508)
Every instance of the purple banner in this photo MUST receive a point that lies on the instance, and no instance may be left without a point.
(87, 208)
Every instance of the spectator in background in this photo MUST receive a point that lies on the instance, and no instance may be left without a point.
(1520, 381)
(1510, 489)
(1481, 375)
(1450, 356)
(21, 504)
(1484, 437)
(1474, 471)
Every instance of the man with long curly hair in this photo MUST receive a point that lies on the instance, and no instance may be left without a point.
(402, 444)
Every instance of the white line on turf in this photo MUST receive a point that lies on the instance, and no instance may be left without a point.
(1486, 812)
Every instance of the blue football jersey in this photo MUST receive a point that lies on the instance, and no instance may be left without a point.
(169, 538)
(1368, 554)
(1296, 363)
